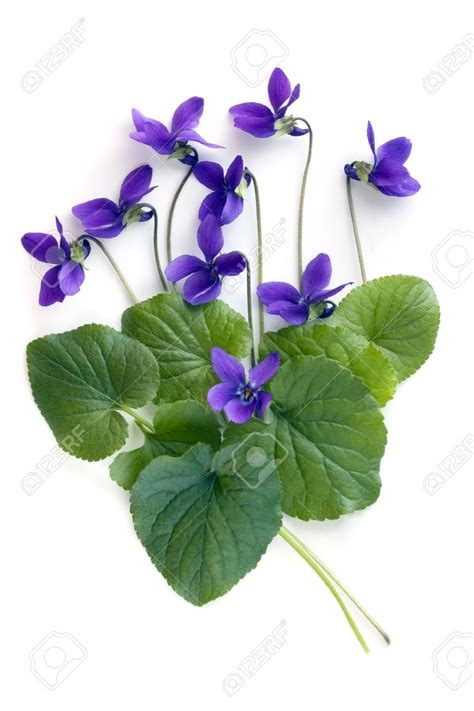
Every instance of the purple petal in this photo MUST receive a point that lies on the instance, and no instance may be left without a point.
(187, 114)
(279, 88)
(230, 264)
(209, 174)
(263, 400)
(201, 287)
(139, 120)
(227, 368)
(135, 186)
(295, 94)
(409, 187)
(371, 139)
(299, 131)
(277, 291)
(351, 172)
(219, 395)
(240, 411)
(189, 135)
(71, 277)
(213, 204)
(398, 149)
(317, 275)
(233, 207)
(234, 173)
(209, 237)
(184, 266)
(59, 227)
(50, 291)
(261, 373)
(326, 294)
(388, 172)
(43, 247)
(158, 137)
(255, 119)
(294, 314)
(251, 109)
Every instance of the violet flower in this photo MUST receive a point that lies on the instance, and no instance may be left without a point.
(261, 121)
(204, 281)
(240, 396)
(66, 277)
(104, 218)
(173, 143)
(226, 199)
(387, 173)
(294, 307)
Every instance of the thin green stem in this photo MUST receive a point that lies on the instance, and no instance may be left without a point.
(249, 308)
(172, 209)
(141, 421)
(302, 197)
(258, 214)
(301, 549)
(155, 243)
(114, 264)
(356, 231)
(351, 597)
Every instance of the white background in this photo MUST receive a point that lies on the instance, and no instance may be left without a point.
(71, 561)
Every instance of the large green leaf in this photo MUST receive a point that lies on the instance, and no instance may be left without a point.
(351, 351)
(328, 438)
(181, 337)
(204, 519)
(178, 427)
(81, 378)
(398, 314)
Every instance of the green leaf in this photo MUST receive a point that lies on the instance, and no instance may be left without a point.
(178, 427)
(398, 314)
(351, 351)
(204, 519)
(81, 378)
(181, 337)
(328, 438)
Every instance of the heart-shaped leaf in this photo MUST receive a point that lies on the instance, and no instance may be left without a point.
(364, 359)
(399, 314)
(81, 378)
(178, 426)
(182, 336)
(204, 519)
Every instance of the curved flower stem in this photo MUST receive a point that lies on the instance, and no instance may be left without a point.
(302, 196)
(141, 421)
(356, 231)
(114, 264)
(249, 307)
(155, 243)
(173, 205)
(302, 550)
(261, 322)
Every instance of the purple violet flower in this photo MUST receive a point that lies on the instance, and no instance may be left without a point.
(66, 277)
(204, 281)
(173, 143)
(104, 218)
(240, 397)
(294, 307)
(261, 121)
(226, 199)
(388, 173)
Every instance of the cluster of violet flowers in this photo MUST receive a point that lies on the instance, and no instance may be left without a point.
(238, 395)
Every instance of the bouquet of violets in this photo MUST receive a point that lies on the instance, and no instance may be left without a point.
(230, 448)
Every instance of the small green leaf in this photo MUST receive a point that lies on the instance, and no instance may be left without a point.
(81, 378)
(328, 439)
(178, 427)
(204, 519)
(351, 351)
(398, 314)
(182, 336)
